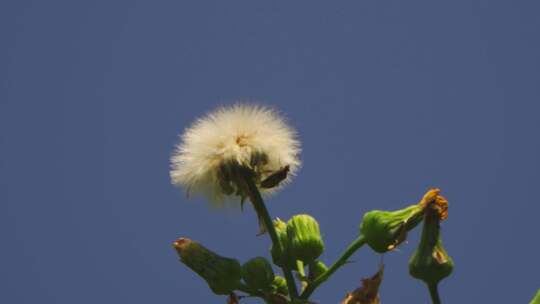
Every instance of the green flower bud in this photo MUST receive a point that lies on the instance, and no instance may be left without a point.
(258, 273)
(316, 269)
(305, 239)
(385, 230)
(222, 274)
(280, 285)
(282, 257)
(430, 262)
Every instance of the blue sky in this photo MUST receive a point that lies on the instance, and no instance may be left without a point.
(389, 98)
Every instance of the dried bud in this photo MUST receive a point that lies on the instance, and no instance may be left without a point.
(222, 274)
(385, 230)
(430, 262)
(305, 239)
(280, 285)
(282, 257)
(258, 273)
(433, 199)
(316, 269)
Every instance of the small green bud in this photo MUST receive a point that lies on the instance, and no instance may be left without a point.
(280, 285)
(384, 230)
(305, 238)
(430, 262)
(316, 269)
(222, 274)
(282, 257)
(258, 273)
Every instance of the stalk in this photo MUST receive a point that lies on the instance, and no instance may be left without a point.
(301, 273)
(355, 245)
(262, 212)
(434, 293)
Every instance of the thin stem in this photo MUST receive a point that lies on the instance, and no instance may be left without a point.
(301, 273)
(355, 245)
(291, 284)
(434, 293)
(262, 212)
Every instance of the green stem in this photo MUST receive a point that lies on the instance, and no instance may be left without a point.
(434, 293)
(301, 273)
(262, 212)
(355, 245)
(291, 284)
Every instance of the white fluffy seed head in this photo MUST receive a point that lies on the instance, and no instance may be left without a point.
(236, 134)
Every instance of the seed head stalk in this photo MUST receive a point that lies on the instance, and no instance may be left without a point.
(262, 212)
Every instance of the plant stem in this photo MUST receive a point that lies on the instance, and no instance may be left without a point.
(291, 284)
(301, 273)
(262, 212)
(355, 245)
(434, 293)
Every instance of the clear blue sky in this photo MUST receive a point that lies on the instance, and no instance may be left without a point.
(389, 97)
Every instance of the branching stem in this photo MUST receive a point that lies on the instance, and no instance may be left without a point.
(355, 245)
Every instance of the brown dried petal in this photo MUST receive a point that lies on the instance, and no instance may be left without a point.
(369, 292)
(435, 200)
(233, 299)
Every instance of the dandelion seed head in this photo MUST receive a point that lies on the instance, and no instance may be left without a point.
(252, 136)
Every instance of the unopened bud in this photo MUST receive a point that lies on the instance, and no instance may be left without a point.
(305, 238)
(222, 274)
(258, 273)
(280, 285)
(316, 269)
(281, 256)
(385, 230)
(430, 262)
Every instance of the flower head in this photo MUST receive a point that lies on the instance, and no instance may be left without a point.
(430, 261)
(222, 274)
(251, 137)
